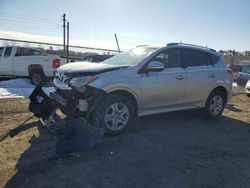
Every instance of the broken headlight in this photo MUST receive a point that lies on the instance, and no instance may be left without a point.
(80, 83)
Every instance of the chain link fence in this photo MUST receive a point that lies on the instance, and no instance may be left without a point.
(25, 64)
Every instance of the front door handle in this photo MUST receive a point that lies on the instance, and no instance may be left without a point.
(180, 77)
(212, 75)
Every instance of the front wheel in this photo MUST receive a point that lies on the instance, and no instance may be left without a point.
(115, 114)
(215, 105)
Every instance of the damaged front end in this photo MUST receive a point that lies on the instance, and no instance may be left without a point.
(78, 102)
(74, 95)
(74, 133)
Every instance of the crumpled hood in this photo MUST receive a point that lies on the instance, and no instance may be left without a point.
(86, 67)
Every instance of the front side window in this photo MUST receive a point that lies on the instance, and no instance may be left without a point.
(170, 58)
(7, 52)
(193, 58)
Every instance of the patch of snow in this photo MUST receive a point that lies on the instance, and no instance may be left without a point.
(19, 88)
(16, 83)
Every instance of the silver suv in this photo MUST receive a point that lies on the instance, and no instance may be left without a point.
(143, 81)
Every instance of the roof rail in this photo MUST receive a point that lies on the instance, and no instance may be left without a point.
(186, 44)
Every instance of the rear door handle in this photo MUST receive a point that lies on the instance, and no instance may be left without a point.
(212, 75)
(180, 77)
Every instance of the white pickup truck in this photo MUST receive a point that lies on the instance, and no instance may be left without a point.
(18, 61)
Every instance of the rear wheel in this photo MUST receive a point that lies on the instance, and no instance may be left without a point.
(248, 94)
(215, 105)
(37, 77)
(115, 114)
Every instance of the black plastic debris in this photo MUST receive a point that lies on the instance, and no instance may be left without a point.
(74, 134)
(77, 135)
(53, 122)
(41, 105)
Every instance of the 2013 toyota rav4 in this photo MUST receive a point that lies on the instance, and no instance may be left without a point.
(142, 81)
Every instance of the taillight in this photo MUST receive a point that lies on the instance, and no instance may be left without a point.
(230, 71)
(56, 63)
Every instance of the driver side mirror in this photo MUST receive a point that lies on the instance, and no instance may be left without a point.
(155, 66)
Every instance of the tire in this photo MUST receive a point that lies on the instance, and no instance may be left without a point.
(215, 104)
(248, 94)
(37, 77)
(115, 114)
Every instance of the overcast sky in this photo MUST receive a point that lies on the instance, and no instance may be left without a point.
(219, 24)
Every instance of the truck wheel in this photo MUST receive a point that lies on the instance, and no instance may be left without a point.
(115, 114)
(37, 78)
(215, 104)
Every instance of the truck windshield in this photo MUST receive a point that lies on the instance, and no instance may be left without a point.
(131, 57)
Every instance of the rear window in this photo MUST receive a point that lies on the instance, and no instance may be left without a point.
(192, 58)
(7, 51)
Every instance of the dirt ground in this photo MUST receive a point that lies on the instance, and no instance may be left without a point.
(180, 149)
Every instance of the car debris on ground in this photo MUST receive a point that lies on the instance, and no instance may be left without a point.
(74, 134)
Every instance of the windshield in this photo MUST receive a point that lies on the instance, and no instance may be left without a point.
(131, 57)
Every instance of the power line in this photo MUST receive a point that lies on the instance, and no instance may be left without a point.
(27, 16)
(31, 25)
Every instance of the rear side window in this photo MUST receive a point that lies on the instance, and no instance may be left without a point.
(1, 51)
(7, 51)
(21, 52)
(27, 52)
(213, 59)
(192, 58)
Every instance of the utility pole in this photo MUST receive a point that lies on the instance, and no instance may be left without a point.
(67, 42)
(64, 26)
(117, 43)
